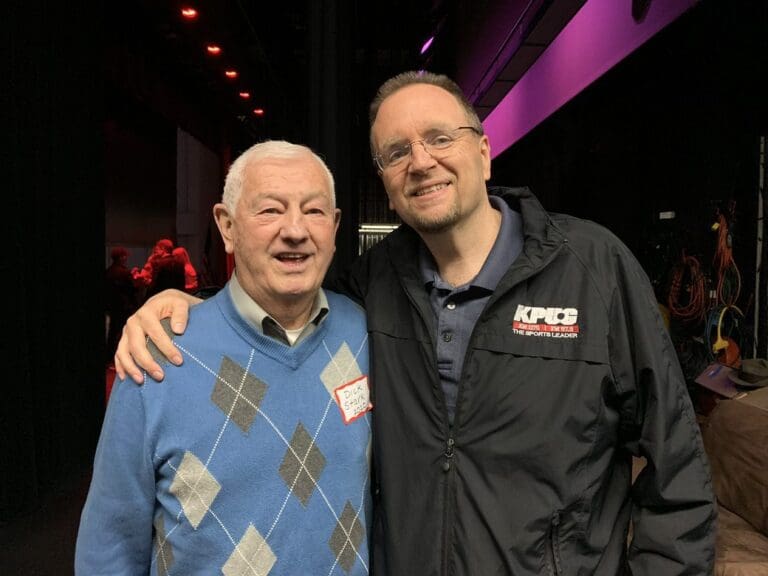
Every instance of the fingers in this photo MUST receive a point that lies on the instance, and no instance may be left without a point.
(133, 352)
(179, 316)
(124, 364)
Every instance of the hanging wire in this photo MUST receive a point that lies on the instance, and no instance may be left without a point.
(728, 276)
(688, 304)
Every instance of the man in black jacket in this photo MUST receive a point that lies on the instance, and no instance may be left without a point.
(519, 361)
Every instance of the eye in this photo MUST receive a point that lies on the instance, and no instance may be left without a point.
(396, 154)
(440, 140)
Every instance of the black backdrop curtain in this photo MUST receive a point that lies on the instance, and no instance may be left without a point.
(51, 399)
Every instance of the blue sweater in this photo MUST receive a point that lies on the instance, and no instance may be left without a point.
(250, 458)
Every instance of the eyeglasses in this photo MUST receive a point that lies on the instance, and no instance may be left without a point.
(434, 144)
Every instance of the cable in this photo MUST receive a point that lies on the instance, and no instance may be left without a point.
(728, 276)
(688, 270)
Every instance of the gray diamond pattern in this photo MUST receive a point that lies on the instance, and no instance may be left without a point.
(341, 369)
(158, 356)
(345, 548)
(302, 478)
(163, 550)
(238, 399)
(251, 556)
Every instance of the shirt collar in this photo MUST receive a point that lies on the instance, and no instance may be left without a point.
(256, 316)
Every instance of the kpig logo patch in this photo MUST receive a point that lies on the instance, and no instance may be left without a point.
(547, 322)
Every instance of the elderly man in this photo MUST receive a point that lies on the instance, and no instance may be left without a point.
(252, 457)
(519, 361)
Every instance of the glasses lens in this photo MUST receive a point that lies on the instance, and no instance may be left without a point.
(439, 141)
(435, 143)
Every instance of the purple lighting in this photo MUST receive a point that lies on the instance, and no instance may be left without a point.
(598, 37)
(427, 44)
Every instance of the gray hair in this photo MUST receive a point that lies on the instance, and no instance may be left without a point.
(422, 77)
(233, 184)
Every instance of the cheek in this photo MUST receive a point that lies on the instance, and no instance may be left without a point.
(392, 183)
(393, 189)
(324, 237)
(252, 240)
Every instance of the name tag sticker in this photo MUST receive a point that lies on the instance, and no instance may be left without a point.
(354, 399)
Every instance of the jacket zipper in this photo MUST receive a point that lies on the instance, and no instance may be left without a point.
(553, 547)
(447, 507)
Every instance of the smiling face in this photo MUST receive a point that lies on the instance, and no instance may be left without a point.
(430, 193)
(283, 231)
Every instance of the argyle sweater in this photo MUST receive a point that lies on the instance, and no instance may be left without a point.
(250, 458)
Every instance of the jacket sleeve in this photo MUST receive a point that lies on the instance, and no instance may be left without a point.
(115, 535)
(353, 280)
(673, 507)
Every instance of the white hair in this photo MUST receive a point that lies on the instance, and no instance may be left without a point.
(233, 184)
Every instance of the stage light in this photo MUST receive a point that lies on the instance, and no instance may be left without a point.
(244, 95)
(427, 44)
(189, 13)
(231, 74)
(258, 111)
(213, 49)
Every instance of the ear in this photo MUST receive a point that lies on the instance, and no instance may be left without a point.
(336, 222)
(225, 223)
(485, 152)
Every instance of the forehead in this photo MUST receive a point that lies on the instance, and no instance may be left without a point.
(415, 108)
(295, 176)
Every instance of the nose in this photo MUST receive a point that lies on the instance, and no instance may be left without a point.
(420, 159)
(294, 228)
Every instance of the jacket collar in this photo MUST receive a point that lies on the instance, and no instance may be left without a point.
(541, 236)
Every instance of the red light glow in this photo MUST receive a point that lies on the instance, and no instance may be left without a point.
(245, 95)
(230, 74)
(189, 13)
(213, 49)
(258, 111)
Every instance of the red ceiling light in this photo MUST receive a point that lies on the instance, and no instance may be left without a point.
(213, 49)
(244, 95)
(231, 74)
(189, 13)
(258, 111)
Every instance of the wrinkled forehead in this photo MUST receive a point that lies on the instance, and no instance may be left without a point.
(298, 179)
(297, 175)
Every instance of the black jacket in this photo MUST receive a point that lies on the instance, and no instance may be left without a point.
(568, 373)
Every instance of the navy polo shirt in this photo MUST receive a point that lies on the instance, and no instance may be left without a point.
(457, 308)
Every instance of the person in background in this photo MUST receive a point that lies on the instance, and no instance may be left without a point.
(120, 297)
(167, 272)
(519, 362)
(252, 457)
(190, 274)
(162, 249)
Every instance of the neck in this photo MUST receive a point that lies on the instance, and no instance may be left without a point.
(290, 316)
(461, 251)
(289, 311)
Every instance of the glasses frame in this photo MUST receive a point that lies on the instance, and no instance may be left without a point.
(378, 159)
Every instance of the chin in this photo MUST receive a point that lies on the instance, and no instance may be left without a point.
(296, 290)
(434, 225)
